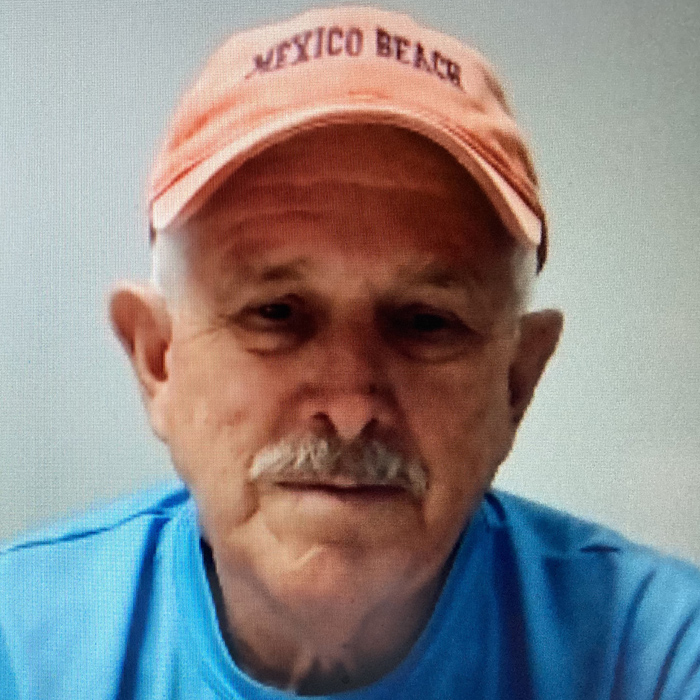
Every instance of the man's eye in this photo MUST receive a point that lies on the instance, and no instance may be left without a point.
(279, 315)
(427, 334)
(274, 326)
(428, 322)
(418, 320)
(277, 311)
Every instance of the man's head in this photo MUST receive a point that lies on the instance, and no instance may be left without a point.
(338, 357)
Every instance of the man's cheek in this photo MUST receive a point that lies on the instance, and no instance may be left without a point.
(225, 508)
(441, 408)
(214, 463)
(208, 444)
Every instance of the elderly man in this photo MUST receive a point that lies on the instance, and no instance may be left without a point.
(337, 351)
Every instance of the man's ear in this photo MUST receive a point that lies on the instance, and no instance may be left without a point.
(142, 322)
(539, 335)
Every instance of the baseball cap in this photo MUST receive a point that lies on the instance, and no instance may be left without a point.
(336, 66)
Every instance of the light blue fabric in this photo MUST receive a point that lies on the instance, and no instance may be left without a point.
(537, 605)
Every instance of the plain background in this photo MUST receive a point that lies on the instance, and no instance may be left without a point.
(610, 96)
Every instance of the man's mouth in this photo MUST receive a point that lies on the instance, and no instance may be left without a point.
(327, 465)
(345, 490)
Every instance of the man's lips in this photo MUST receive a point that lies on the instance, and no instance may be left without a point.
(340, 481)
(345, 489)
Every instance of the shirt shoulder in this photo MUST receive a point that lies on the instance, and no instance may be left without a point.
(75, 595)
(159, 502)
(548, 539)
(87, 557)
(555, 533)
(628, 610)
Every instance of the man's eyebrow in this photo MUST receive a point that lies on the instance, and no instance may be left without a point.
(240, 278)
(459, 279)
(438, 275)
(293, 271)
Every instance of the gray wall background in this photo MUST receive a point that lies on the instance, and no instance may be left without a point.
(609, 93)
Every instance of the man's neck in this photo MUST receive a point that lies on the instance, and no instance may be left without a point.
(316, 650)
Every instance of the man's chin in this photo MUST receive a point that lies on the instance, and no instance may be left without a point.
(334, 563)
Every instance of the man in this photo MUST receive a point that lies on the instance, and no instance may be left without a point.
(336, 350)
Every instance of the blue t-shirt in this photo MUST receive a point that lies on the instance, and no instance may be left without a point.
(537, 605)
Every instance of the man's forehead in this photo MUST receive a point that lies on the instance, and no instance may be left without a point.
(332, 198)
(412, 271)
(368, 156)
(321, 269)
(340, 170)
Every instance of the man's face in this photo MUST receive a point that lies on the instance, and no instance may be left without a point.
(352, 282)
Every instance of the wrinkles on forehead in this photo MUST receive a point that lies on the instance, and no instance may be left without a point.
(417, 243)
(350, 210)
(376, 193)
(357, 158)
(412, 272)
(285, 194)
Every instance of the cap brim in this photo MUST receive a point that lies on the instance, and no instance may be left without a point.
(188, 194)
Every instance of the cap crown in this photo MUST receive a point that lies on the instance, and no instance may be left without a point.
(330, 66)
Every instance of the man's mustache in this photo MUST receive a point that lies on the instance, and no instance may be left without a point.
(332, 461)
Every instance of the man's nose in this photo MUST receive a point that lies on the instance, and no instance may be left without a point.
(346, 416)
(349, 390)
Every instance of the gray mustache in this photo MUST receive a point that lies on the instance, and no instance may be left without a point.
(319, 460)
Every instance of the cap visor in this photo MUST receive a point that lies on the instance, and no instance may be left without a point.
(189, 193)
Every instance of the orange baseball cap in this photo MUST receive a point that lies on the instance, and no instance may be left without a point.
(345, 65)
